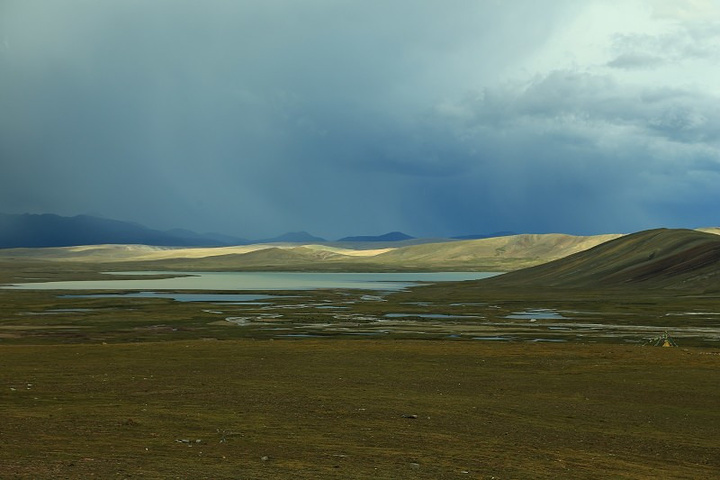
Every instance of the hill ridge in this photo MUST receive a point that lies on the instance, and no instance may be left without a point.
(658, 258)
(493, 254)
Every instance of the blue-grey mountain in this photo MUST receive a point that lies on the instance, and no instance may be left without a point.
(388, 237)
(47, 230)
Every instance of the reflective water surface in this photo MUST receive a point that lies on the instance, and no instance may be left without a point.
(219, 281)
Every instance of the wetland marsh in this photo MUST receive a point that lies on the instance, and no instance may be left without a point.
(275, 305)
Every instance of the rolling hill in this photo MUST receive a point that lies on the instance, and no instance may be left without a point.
(661, 258)
(491, 254)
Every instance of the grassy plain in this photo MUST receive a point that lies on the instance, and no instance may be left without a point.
(346, 409)
(153, 388)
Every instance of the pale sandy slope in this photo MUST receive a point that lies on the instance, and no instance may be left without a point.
(498, 254)
(127, 253)
(525, 245)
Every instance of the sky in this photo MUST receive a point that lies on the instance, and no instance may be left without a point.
(349, 117)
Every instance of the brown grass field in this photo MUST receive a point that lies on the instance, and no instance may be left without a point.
(338, 409)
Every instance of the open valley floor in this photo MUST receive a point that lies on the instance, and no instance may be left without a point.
(449, 380)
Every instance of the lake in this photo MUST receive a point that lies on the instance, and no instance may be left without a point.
(240, 281)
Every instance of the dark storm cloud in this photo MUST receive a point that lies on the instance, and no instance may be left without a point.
(344, 117)
(572, 146)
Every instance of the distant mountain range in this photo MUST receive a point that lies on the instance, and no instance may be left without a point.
(292, 237)
(668, 259)
(388, 237)
(48, 230)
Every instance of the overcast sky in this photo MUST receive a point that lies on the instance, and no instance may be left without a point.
(358, 117)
